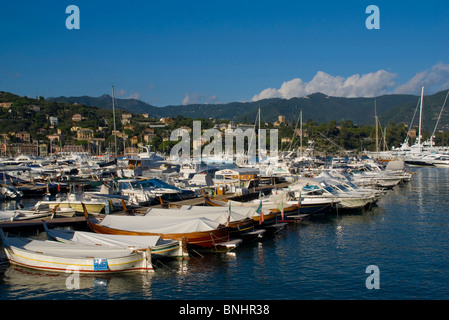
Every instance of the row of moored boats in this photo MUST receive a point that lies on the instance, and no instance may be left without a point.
(133, 239)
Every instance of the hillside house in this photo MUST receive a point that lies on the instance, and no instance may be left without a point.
(85, 134)
(77, 117)
(126, 118)
(6, 105)
(23, 136)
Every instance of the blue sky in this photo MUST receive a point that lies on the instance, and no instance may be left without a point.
(175, 52)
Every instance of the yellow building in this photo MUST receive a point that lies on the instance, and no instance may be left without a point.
(85, 134)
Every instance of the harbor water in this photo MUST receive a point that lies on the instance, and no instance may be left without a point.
(404, 238)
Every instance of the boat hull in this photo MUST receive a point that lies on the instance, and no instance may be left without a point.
(310, 209)
(240, 227)
(78, 206)
(130, 262)
(353, 203)
(170, 249)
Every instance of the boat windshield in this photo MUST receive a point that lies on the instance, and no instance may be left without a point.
(328, 188)
(342, 187)
(352, 185)
(142, 184)
(135, 185)
(124, 185)
(331, 190)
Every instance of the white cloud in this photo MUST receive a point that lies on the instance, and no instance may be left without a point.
(367, 85)
(434, 80)
(134, 95)
(197, 98)
(120, 92)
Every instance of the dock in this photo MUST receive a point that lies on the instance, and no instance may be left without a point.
(33, 224)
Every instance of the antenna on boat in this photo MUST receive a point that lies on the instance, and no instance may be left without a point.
(420, 119)
(113, 113)
(377, 134)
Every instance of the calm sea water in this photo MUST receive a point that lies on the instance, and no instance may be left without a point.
(406, 236)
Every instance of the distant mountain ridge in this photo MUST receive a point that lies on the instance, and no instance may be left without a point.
(105, 101)
(317, 107)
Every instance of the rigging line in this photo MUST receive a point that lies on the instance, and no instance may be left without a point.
(439, 117)
(413, 119)
(384, 137)
(251, 140)
(296, 127)
(334, 143)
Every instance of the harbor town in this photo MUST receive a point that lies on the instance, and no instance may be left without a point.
(127, 209)
(258, 153)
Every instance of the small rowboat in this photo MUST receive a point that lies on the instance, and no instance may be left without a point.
(64, 257)
(21, 214)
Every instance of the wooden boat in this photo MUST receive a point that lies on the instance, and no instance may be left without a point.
(61, 257)
(197, 232)
(35, 213)
(159, 247)
(76, 203)
(238, 220)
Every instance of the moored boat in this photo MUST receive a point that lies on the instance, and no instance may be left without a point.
(61, 257)
(238, 220)
(197, 232)
(159, 248)
(261, 216)
(76, 202)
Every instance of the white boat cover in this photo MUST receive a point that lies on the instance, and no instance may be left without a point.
(240, 210)
(6, 215)
(67, 250)
(217, 214)
(157, 224)
(109, 240)
(395, 165)
(255, 204)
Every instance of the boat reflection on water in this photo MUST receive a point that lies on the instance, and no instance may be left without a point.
(35, 284)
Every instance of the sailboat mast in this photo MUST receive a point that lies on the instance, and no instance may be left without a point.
(300, 129)
(113, 113)
(377, 133)
(258, 135)
(420, 119)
